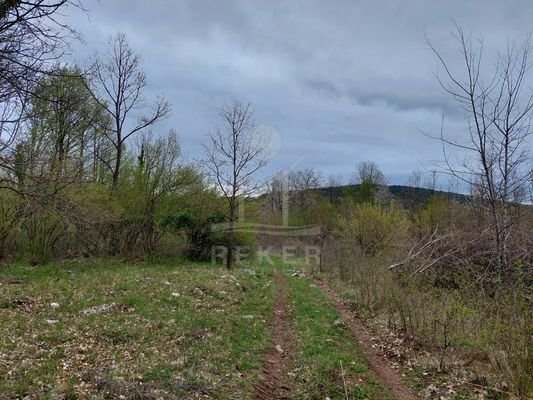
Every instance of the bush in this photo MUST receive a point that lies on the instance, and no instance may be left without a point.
(371, 227)
(200, 237)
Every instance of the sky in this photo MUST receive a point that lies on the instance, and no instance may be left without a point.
(333, 82)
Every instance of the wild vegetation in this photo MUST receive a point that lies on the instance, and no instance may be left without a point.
(106, 229)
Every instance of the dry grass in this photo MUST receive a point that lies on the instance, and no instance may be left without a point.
(452, 339)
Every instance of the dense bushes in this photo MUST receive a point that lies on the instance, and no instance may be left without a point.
(88, 220)
(450, 323)
(428, 273)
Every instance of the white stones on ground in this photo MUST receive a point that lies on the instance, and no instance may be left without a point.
(338, 322)
(54, 306)
(175, 294)
(52, 321)
(279, 349)
(197, 291)
(102, 308)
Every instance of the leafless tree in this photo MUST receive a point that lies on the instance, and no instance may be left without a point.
(431, 181)
(414, 198)
(234, 153)
(499, 108)
(117, 82)
(275, 188)
(415, 179)
(369, 171)
(301, 184)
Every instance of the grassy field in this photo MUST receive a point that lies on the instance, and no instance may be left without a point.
(159, 330)
(107, 330)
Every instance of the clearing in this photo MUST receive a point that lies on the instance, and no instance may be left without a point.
(107, 330)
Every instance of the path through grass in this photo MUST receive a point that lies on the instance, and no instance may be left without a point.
(102, 330)
(328, 360)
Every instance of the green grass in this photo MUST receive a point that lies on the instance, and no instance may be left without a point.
(176, 329)
(324, 347)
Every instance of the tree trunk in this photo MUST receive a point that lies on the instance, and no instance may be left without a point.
(116, 171)
(231, 238)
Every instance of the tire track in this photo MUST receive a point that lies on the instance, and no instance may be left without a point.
(275, 382)
(377, 362)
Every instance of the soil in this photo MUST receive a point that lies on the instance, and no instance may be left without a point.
(275, 382)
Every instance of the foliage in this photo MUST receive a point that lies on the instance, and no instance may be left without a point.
(152, 179)
(65, 124)
(371, 227)
(433, 216)
(10, 210)
(200, 237)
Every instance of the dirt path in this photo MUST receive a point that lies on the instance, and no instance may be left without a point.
(377, 362)
(275, 383)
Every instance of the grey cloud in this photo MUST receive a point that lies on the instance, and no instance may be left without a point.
(342, 81)
(402, 96)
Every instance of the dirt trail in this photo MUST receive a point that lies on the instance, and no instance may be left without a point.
(377, 362)
(275, 383)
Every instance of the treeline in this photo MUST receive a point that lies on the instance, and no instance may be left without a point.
(84, 168)
(82, 178)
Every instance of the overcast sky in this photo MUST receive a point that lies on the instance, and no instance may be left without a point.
(340, 81)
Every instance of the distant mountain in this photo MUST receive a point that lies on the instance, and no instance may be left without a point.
(405, 194)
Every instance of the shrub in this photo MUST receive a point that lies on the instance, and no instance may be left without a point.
(200, 237)
(372, 227)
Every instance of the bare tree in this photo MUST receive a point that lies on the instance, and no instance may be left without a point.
(369, 172)
(413, 199)
(431, 181)
(415, 179)
(117, 82)
(234, 153)
(497, 152)
(301, 184)
(275, 188)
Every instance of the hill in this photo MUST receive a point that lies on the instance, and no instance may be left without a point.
(404, 194)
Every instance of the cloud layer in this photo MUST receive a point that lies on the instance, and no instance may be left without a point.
(342, 81)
